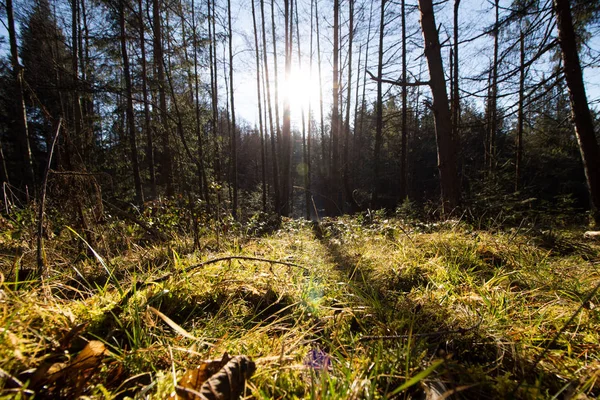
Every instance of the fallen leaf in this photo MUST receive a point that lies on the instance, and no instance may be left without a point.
(226, 383)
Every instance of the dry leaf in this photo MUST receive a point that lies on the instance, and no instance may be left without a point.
(226, 384)
(90, 357)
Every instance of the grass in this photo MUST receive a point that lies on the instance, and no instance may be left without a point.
(382, 309)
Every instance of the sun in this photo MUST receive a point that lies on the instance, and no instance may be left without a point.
(302, 89)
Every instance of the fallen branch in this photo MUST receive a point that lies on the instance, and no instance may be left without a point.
(428, 334)
(153, 231)
(166, 276)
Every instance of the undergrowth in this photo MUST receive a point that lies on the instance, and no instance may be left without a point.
(364, 308)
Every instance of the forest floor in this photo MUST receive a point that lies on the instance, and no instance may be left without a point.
(350, 308)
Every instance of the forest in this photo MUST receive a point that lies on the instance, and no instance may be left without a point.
(326, 199)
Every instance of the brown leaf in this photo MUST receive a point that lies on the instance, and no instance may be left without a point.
(90, 357)
(226, 383)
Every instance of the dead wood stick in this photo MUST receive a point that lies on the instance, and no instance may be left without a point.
(41, 257)
(166, 276)
(153, 231)
(428, 334)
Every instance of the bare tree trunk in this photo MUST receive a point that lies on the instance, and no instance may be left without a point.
(214, 88)
(358, 135)
(76, 79)
(307, 180)
(580, 111)
(333, 180)
(324, 152)
(302, 116)
(286, 128)
(455, 85)
(260, 120)
(275, 163)
(234, 155)
(493, 128)
(139, 194)
(346, 154)
(404, 127)
(166, 159)
(520, 115)
(378, 114)
(202, 180)
(276, 81)
(446, 143)
(23, 136)
(147, 122)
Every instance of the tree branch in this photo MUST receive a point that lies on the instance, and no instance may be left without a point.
(398, 83)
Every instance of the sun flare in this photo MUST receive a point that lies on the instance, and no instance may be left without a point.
(302, 90)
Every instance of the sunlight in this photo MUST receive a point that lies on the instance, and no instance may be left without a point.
(302, 89)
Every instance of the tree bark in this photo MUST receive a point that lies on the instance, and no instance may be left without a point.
(166, 156)
(202, 179)
(147, 120)
(580, 111)
(493, 127)
(260, 120)
(324, 152)
(446, 143)
(404, 127)
(139, 194)
(346, 153)
(234, 155)
(520, 115)
(286, 128)
(272, 129)
(378, 113)
(23, 136)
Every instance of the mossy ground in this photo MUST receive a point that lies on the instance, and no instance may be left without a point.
(473, 313)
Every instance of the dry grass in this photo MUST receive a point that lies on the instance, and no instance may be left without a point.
(469, 311)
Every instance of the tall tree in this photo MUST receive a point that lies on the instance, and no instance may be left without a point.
(146, 100)
(446, 144)
(166, 156)
(234, 155)
(404, 128)
(580, 111)
(379, 113)
(260, 120)
(139, 194)
(286, 139)
(272, 129)
(23, 135)
(346, 153)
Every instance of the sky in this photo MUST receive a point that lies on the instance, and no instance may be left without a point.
(475, 16)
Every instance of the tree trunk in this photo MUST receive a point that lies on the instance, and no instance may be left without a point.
(214, 94)
(202, 179)
(272, 129)
(580, 111)
(324, 152)
(276, 105)
(346, 154)
(166, 157)
(520, 115)
(23, 136)
(139, 194)
(234, 167)
(378, 114)
(286, 128)
(147, 121)
(446, 143)
(260, 120)
(455, 85)
(493, 127)
(404, 127)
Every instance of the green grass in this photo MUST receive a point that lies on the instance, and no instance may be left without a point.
(459, 310)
